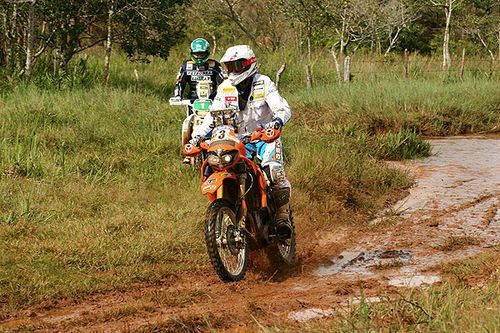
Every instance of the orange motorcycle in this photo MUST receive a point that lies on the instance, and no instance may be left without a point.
(241, 215)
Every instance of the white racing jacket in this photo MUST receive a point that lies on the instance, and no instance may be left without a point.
(264, 104)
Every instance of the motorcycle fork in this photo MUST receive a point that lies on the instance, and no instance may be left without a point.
(242, 178)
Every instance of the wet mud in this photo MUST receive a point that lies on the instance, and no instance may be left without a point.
(450, 213)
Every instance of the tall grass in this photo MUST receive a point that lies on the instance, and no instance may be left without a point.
(93, 196)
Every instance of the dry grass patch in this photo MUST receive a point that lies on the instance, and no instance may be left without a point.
(454, 243)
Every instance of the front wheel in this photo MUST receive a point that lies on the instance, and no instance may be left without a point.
(227, 245)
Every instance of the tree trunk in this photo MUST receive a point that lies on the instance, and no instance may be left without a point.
(109, 40)
(278, 74)
(214, 48)
(14, 35)
(347, 69)
(342, 41)
(492, 55)
(392, 41)
(407, 64)
(462, 65)
(30, 39)
(337, 65)
(446, 42)
(8, 44)
(11, 35)
(309, 81)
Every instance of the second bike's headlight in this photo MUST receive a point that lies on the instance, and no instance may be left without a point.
(214, 159)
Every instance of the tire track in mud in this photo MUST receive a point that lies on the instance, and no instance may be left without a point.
(451, 213)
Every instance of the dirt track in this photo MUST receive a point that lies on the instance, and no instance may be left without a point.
(451, 213)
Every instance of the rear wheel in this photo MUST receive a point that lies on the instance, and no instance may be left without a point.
(227, 245)
(283, 252)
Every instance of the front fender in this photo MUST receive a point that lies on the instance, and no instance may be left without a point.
(213, 186)
(215, 181)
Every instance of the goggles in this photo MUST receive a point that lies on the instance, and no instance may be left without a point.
(239, 65)
(199, 55)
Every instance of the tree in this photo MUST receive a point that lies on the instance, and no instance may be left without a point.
(448, 6)
(482, 23)
(397, 15)
(260, 22)
(149, 27)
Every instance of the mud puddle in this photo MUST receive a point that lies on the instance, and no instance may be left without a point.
(450, 213)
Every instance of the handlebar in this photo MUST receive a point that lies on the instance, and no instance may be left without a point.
(267, 135)
(175, 102)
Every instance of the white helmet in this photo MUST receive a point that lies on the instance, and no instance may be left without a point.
(239, 62)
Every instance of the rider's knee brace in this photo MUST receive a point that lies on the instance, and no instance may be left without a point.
(276, 174)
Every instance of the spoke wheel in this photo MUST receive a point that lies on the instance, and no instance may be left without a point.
(227, 246)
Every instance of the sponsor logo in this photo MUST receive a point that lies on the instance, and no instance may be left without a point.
(228, 90)
(278, 152)
(270, 133)
(211, 181)
(209, 188)
(259, 83)
(200, 78)
(199, 73)
(258, 95)
(231, 99)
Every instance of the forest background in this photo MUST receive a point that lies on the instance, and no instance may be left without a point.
(44, 36)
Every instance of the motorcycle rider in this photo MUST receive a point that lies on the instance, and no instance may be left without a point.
(259, 104)
(198, 68)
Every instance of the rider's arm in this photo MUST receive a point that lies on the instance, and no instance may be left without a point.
(278, 104)
(205, 127)
(220, 73)
(181, 81)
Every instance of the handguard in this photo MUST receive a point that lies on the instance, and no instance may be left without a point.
(190, 150)
(267, 135)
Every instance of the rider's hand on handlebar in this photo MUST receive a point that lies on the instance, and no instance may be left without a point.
(276, 124)
(195, 141)
(246, 138)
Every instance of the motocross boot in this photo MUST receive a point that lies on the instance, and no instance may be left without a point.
(281, 197)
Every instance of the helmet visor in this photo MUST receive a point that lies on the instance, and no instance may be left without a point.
(199, 55)
(239, 65)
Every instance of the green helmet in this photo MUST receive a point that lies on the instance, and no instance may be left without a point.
(200, 50)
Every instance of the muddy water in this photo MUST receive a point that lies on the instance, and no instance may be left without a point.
(461, 170)
(450, 213)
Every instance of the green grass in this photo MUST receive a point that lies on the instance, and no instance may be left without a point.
(93, 196)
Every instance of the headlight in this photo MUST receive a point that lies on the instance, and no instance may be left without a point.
(227, 158)
(214, 160)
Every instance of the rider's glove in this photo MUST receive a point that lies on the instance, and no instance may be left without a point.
(277, 123)
(195, 141)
